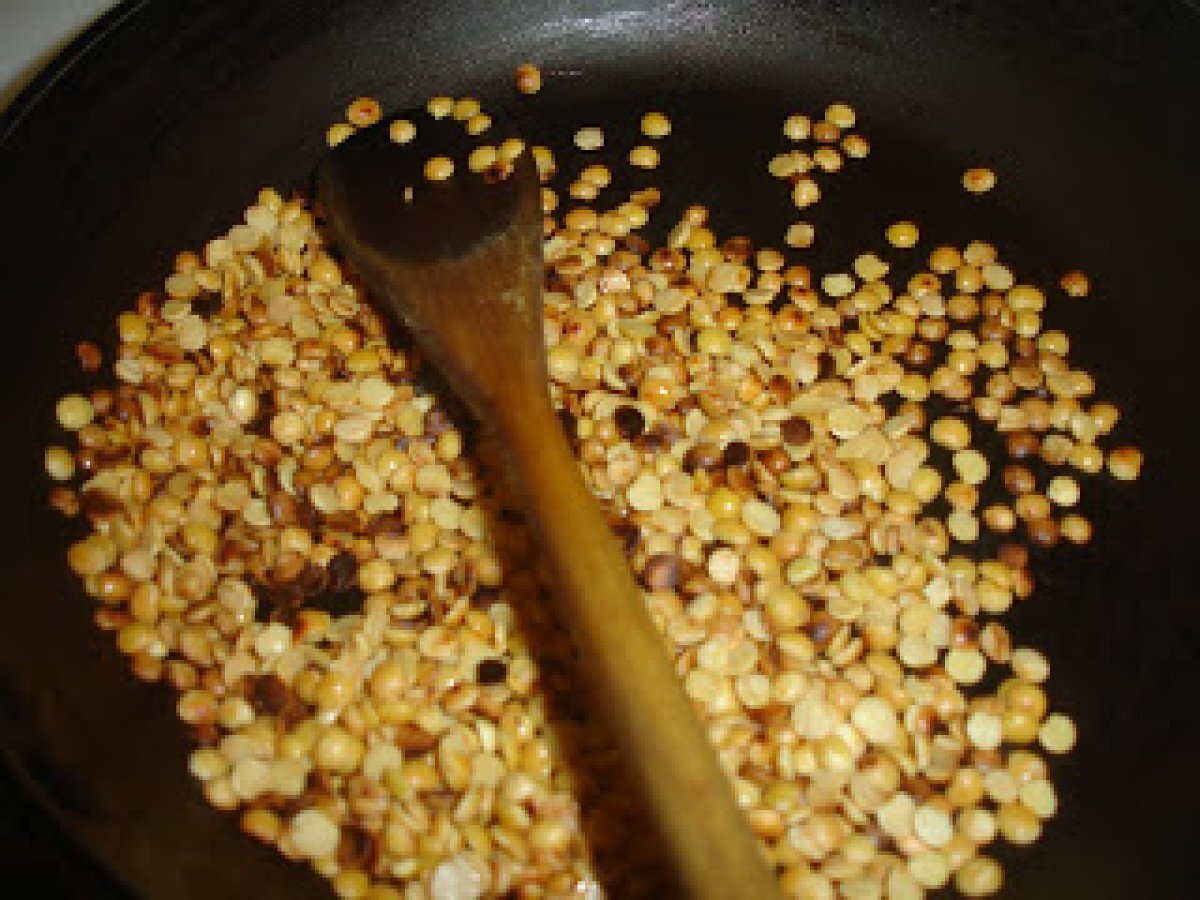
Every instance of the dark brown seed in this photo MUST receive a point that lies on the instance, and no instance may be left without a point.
(147, 304)
(64, 501)
(736, 453)
(567, 420)
(267, 694)
(964, 632)
(436, 422)
(661, 572)
(1043, 532)
(357, 849)
(99, 504)
(918, 354)
(796, 431)
(1022, 444)
(266, 452)
(1015, 556)
(776, 461)
(312, 580)
(88, 355)
(126, 408)
(992, 329)
(629, 422)
(702, 457)
(343, 572)
(484, 597)
(1018, 479)
(413, 739)
(672, 323)
(261, 423)
(780, 387)
(491, 671)
(925, 720)
(821, 628)
(655, 441)
(738, 479)
(85, 460)
(826, 364)
(919, 788)
(659, 346)
(269, 264)
(389, 523)
(635, 244)
(737, 249)
(626, 532)
(209, 303)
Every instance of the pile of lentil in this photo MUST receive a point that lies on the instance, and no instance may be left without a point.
(289, 526)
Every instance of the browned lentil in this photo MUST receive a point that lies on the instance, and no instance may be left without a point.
(979, 180)
(1075, 284)
(1125, 463)
(528, 78)
(363, 112)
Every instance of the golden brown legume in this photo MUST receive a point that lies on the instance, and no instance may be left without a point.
(733, 414)
(528, 78)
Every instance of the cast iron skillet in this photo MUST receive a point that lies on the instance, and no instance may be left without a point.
(157, 126)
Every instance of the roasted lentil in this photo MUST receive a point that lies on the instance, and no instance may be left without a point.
(319, 573)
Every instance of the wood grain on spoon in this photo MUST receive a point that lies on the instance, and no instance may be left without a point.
(461, 266)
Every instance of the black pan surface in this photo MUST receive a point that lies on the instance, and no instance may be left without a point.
(155, 129)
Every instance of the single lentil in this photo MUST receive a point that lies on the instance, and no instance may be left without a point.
(979, 180)
(528, 78)
(655, 125)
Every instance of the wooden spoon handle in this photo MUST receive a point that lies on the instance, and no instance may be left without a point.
(714, 852)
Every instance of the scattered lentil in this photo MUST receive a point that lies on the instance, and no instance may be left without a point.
(902, 234)
(402, 131)
(439, 168)
(589, 138)
(797, 127)
(439, 107)
(655, 125)
(800, 235)
(363, 112)
(528, 78)
(643, 156)
(1075, 284)
(1124, 463)
(1057, 734)
(979, 180)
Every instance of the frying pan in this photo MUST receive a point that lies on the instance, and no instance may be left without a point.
(155, 128)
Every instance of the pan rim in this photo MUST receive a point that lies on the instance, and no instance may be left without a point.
(33, 94)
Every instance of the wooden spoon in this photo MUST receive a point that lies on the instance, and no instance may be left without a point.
(459, 262)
